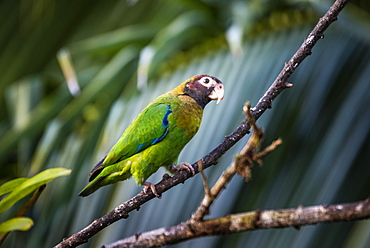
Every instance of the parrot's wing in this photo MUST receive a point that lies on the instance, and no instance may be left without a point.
(148, 128)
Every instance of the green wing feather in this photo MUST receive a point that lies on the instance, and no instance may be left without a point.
(147, 129)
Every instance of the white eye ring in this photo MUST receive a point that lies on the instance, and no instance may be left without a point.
(206, 81)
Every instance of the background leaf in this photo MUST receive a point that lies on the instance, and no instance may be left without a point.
(11, 185)
(28, 186)
(16, 224)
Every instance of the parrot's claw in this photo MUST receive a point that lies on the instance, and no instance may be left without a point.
(150, 185)
(181, 166)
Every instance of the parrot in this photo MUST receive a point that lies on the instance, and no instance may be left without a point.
(157, 135)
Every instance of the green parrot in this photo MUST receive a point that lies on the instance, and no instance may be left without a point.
(157, 135)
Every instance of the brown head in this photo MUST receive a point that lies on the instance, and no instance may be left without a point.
(202, 88)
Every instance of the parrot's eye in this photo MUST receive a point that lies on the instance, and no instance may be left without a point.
(207, 81)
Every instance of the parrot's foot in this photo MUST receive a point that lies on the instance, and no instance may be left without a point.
(174, 168)
(150, 185)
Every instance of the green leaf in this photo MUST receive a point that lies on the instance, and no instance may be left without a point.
(30, 185)
(16, 224)
(11, 185)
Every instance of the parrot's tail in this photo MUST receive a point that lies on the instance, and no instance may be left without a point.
(92, 187)
(101, 181)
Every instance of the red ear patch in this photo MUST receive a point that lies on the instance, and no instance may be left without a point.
(191, 86)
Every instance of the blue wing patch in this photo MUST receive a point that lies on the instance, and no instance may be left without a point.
(164, 126)
(165, 118)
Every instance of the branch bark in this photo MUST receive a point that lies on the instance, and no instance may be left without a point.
(248, 221)
(241, 165)
(122, 211)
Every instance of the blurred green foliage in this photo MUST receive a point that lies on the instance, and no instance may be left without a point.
(126, 53)
(20, 187)
(16, 224)
(15, 190)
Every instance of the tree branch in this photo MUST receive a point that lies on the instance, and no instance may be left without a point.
(210, 159)
(248, 221)
(241, 164)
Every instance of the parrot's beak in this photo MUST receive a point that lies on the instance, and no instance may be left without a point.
(217, 93)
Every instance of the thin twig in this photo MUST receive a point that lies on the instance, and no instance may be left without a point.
(205, 181)
(268, 149)
(208, 199)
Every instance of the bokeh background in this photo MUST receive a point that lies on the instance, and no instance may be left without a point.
(126, 53)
